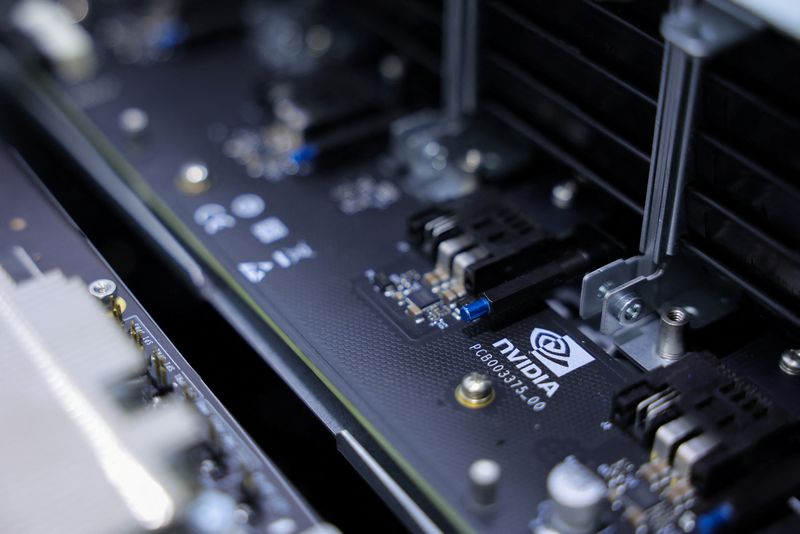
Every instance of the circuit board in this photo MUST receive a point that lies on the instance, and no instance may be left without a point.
(36, 237)
(378, 278)
(311, 278)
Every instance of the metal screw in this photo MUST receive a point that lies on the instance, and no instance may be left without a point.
(103, 289)
(475, 390)
(604, 288)
(133, 121)
(671, 332)
(627, 307)
(563, 194)
(484, 476)
(193, 177)
(632, 312)
(790, 362)
(194, 173)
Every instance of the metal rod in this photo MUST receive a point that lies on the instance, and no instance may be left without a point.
(459, 58)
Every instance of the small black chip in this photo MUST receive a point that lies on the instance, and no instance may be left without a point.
(642, 496)
(423, 298)
(382, 282)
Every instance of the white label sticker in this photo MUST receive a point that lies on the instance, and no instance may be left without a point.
(269, 230)
(560, 354)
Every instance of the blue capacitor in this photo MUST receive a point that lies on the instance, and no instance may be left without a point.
(715, 519)
(304, 153)
(170, 34)
(476, 309)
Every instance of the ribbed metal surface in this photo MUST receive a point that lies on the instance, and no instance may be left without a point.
(414, 27)
(742, 204)
(583, 82)
(585, 76)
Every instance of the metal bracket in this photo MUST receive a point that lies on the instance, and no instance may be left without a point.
(708, 28)
(623, 282)
(448, 150)
(703, 304)
(626, 292)
(639, 291)
(692, 34)
(598, 283)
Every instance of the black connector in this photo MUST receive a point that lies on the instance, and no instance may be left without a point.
(508, 241)
(729, 427)
(555, 265)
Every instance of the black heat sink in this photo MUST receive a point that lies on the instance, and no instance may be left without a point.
(743, 200)
(414, 27)
(581, 80)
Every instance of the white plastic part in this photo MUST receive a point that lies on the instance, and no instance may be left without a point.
(57, 36)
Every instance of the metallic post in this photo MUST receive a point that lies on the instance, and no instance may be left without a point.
(692, 34)
(459, 58)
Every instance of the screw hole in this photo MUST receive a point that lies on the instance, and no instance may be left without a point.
(676, 315)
